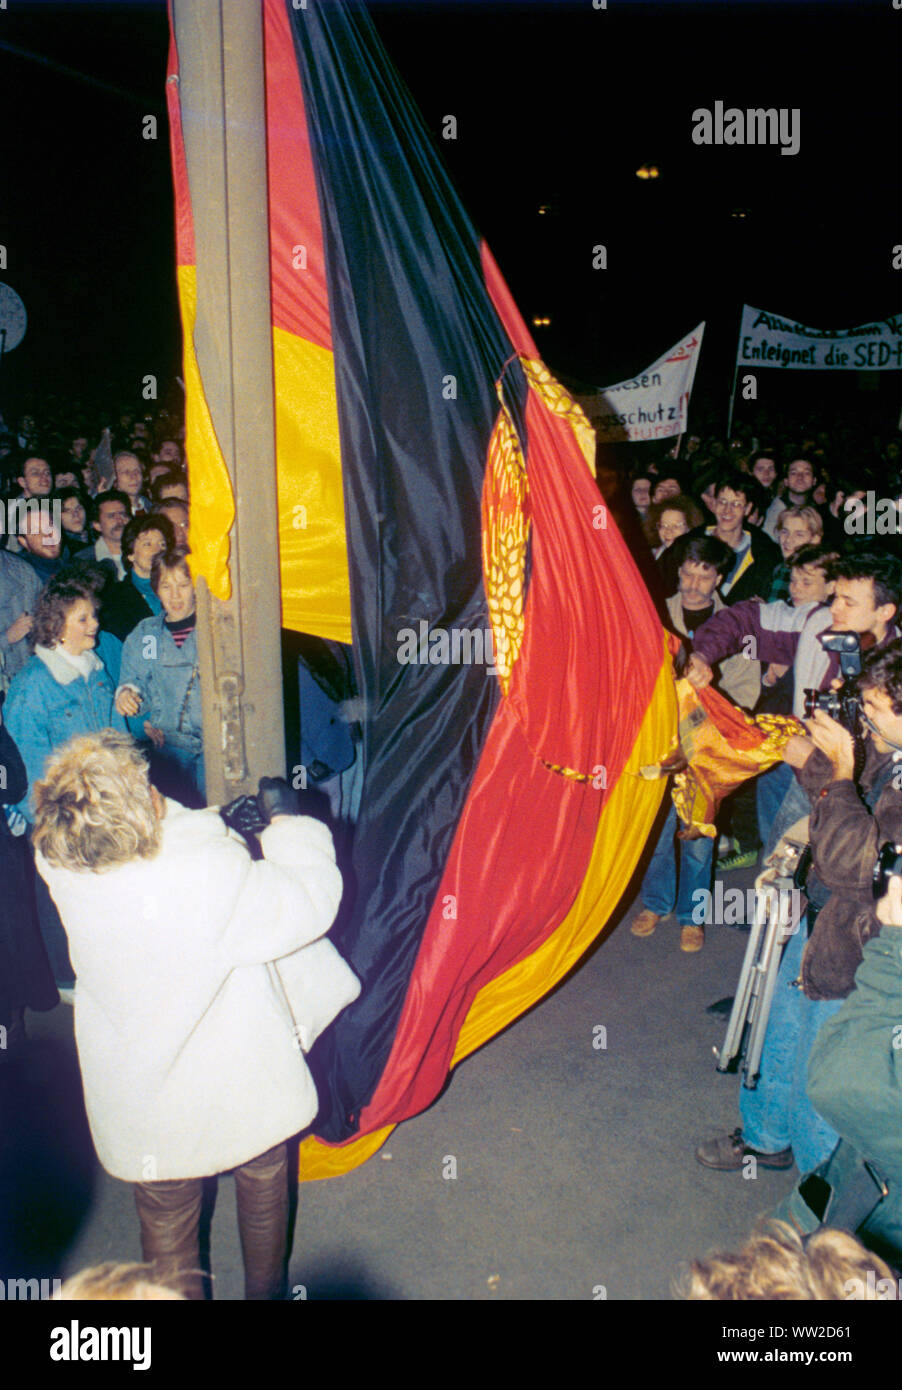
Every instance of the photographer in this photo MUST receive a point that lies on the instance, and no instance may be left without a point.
(848, 822)
(855, 1083)
(866, 600)
(202, 974)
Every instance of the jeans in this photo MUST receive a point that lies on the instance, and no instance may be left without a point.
(170, 1225)
(771, 788)
(179, 773)
(777, 1114)
(793, 807)
(664, 887)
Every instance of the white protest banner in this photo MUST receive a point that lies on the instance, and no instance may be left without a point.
(769, 340)
(653, 405)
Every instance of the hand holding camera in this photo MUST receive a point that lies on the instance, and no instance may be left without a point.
(834, 739)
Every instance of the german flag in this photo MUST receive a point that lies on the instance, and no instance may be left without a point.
(513, 671)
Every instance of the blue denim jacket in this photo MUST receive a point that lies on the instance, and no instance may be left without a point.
(49, 703)
(162, 673)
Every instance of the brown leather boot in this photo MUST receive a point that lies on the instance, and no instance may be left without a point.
(169, 1213)
(262, 1191)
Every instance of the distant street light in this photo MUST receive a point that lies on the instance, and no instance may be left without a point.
(541, 323)
(648, 171)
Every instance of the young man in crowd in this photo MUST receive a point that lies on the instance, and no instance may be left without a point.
(111, 513)
(128, 478)
(754, 556)
(849, 821)
(763, 468)
(702, 561)
(177, 513)
(170, 484)
(801, 480)
(36, 478)
(41, 545)
(796, 526)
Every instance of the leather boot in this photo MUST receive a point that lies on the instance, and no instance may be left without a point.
(262, 1194)
(170, 1221)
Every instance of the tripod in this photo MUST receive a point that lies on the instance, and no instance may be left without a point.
(778, 912)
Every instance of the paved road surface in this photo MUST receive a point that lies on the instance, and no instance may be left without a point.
(574, 1163)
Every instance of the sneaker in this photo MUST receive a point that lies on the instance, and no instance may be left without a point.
(728, 1152)
(740, 859)
(692, 938)
(645, 923)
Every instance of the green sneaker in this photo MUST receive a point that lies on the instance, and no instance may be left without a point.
(740, 859)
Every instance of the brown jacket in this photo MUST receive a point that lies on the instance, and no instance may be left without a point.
(845, 838)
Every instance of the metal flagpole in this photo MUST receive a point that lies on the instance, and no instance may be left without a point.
(221, 88)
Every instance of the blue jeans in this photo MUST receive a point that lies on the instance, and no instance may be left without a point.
(664, 887)
(795, 804)
(771, 788)
(777, 1114)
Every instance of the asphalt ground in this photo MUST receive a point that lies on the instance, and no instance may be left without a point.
(556, 1165)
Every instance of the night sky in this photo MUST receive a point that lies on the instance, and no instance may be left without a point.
(557, 105)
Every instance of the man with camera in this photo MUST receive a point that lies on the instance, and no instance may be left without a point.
(855, 1082)
(850, 816)
(866, 601)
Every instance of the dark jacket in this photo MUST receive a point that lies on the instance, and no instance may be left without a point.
(25, 975)
(845, 835)
(123, 608)
(855, 1068)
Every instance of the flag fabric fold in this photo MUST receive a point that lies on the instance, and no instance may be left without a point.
(512, 670)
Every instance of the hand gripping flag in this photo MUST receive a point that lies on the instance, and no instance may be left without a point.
(513, 672)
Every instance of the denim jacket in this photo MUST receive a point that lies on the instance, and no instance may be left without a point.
(48, 703)
(167, 678)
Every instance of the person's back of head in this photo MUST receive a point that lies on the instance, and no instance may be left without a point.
(778, 1264)
(111, 1282)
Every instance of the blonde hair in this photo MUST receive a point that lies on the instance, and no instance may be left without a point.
(811, 517)
(115, 1283)
(779, 1264)
(93, 807)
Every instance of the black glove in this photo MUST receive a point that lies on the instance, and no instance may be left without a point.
(276, 798)
(244, 815)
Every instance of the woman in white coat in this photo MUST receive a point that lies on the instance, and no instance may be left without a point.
(203, 976)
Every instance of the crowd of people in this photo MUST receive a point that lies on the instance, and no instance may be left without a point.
(753, 550)
(97, 630)
(759, 551)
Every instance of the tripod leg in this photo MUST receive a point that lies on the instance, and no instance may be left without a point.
(745, 988)
(777, 937)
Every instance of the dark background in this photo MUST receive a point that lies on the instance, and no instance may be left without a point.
(557, 105)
